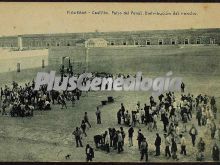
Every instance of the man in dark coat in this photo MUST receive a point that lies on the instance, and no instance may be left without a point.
(215, 152)
(130, 135)
(144, 149)
(199, 114)
(140, 138)
(157, 144)
(182, 87)
(173, 148)
(98, 115)
(161, 97)
(119, 115)
(212, 102)
(165, 123)
(111, 134)
(193, 133)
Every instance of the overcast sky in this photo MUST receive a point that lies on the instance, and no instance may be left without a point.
(37, 18)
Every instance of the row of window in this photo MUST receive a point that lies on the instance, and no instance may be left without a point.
(173, 42)
(148, 42)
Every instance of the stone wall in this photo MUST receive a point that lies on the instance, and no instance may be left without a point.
(26, 59)
(180, 59)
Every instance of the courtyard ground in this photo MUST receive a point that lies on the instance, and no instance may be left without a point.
(47, 136)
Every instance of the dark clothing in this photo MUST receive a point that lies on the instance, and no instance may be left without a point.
(119, 117)
(167, 151)
(182, 87)
(183, 150)
(193, 139)
(120, 147)
(130, 132)
(215, 153)
(89, 154)
(144, 150)
(98, 139)
(174, 149)
(165, 123)
(201, 146)
(98, 116)
(140, 139)
(193, 132)
(199, 115)
(157, 144)
(83, 127)
(77, 134)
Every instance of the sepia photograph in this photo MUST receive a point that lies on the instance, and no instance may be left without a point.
(109, 82)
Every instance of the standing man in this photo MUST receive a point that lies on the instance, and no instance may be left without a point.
(182, 87)
(199, 114)
(119, 116)
(98, 115)
(201, 149)
(142, 113)
(167, 145)
(183, 144)
(140, 138)
(157, 144)
(212, 102)
(123, 112)
(165, 122)
(77, 133)
(123, 135)
(213, 129)
(86, 119)
(130, 136)
(215, 152)
(144, 149)
(174, 149)
(201, 145)
(193, 133)
(120, 142)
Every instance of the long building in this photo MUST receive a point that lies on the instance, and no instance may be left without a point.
(132, 38)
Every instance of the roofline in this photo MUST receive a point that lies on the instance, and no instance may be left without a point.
(139, 31)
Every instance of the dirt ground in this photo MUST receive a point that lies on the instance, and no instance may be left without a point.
(47, 136)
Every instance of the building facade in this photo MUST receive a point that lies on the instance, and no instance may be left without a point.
(96, 42)
(133, 38)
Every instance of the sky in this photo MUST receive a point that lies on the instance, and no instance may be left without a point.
(44, 18)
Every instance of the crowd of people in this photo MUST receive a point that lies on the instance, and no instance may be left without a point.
(175, 114)
(21, 101)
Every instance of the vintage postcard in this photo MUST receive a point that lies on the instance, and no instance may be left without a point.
(109, 82)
